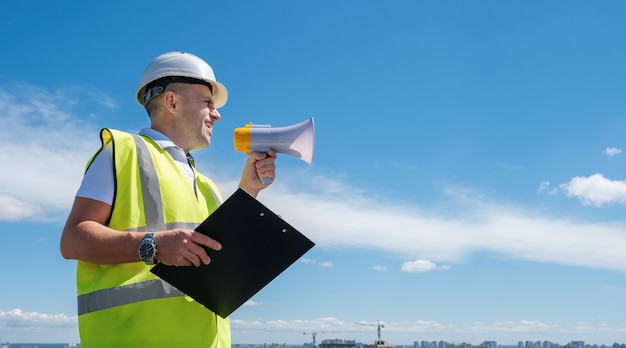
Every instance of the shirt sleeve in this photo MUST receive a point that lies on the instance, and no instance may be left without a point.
(99, 180)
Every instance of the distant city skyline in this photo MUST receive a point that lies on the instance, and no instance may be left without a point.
(416, 344)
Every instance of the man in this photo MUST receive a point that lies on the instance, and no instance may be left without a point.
(138, 204)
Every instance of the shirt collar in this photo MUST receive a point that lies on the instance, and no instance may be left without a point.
(165, 143)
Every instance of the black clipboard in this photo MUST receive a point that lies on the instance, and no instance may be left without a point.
(257, 245)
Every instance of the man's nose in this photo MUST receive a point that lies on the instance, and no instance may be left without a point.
(215, 114)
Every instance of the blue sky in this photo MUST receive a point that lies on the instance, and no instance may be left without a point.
(468, 181)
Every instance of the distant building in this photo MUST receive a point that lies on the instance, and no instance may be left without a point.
(336, 343)
(378, 344)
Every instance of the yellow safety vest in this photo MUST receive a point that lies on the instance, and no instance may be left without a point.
(125, 305)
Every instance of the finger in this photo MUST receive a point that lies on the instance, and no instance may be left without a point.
(267, 171)
(266, 177)
(200, 253)
(258, 156)
(192, 258)
(267, 167)
(206, 241)
(180, 261)
(268, 161)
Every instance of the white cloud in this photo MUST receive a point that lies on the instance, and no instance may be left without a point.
(16, 316)
(545, 187)
(424, 326)
(37, 327)
(516, 329)
(336, 217)
(420, 266)
(45, 147)
(327, 264)
(596, 190)
(13, 209)
(612, 151)
(298, 326)
(379, 268)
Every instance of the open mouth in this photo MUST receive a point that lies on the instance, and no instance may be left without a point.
(209, 128)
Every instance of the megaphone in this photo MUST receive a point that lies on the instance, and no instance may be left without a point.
(296, 140)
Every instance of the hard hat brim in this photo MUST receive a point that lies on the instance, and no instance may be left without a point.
(220, 93)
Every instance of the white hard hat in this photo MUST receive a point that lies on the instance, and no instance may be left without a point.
(178, 67)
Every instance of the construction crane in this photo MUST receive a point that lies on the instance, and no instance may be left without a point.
(314, 333)
(378, 324)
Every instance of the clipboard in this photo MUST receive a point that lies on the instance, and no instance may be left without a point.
(257, 245)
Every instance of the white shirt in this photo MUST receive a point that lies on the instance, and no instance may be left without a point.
(99, 180)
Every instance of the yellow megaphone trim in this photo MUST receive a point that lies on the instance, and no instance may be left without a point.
(242, 139)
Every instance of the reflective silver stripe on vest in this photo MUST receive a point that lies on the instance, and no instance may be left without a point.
(216, 198)
(125, 294)
(152, 207)
(169, 226)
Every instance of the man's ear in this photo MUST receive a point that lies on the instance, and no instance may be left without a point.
(170, 101)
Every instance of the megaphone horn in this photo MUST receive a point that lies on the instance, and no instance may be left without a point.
(296, 140)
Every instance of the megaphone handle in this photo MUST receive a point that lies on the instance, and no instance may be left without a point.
(264, 180)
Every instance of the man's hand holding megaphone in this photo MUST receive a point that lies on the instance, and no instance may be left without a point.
(259, 165)
(262, 143)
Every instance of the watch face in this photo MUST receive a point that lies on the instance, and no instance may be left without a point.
(146, 250)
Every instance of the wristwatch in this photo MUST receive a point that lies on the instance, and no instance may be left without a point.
(148, 249)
